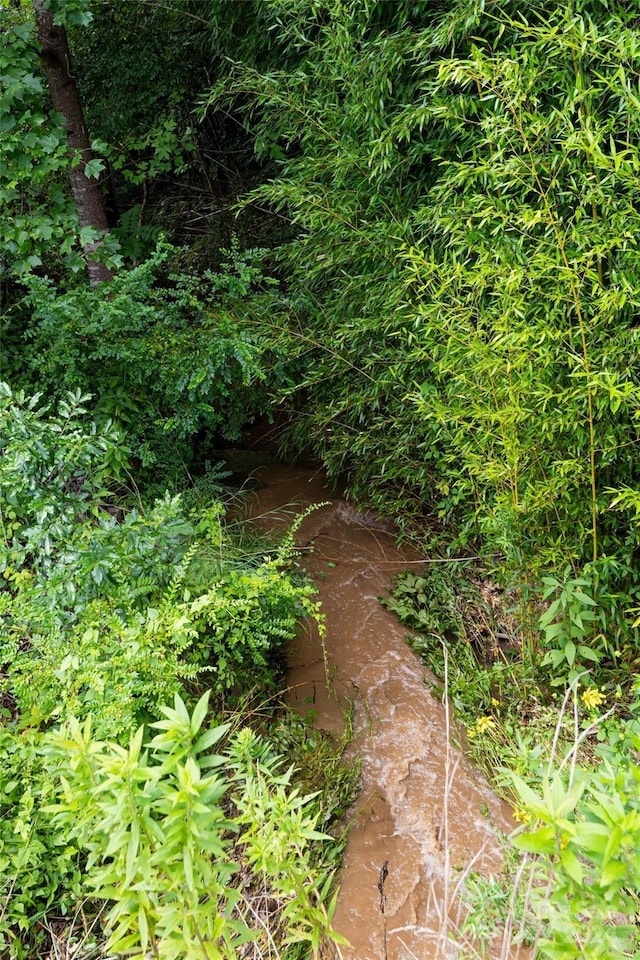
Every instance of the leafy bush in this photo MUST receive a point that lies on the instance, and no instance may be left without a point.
(523, 285)
(40, 870)
(121, 653)
(103, 611)
(321, 117)
(583, 836)
(107, 612)
(465, 278)
(454, 632)
(41, 227)
(162, 351)
(163, 840)
(59, 473)
(34, 162)
(589, 624)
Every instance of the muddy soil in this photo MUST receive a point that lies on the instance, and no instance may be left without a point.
(424, 817)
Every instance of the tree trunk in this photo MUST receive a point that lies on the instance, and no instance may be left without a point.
(66, 100)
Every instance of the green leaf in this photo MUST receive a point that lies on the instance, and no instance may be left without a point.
(208, 739)
(541, 841)
(593, 838)
(613, 845)
(93, 169)
(143, 927)
(524, 791)
(572, 865)
(188, 868)
(584, 598)
(588, 654)
(614, 873)
(199, 713)
(181, 711)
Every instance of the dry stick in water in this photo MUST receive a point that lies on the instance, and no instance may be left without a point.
(384, 873)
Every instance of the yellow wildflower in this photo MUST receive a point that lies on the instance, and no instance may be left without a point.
(471, 732)
(592, 698)
(522, 816)
(494, 702)
(564, 843)
(484, 723)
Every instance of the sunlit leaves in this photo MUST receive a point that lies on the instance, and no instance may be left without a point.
(165, 852)
(467, 270)
(584, 839)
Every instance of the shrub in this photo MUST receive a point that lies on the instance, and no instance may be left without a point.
(465, 277)
(163, 841)
(107, 613)
(583, 837)
(162, 351)
(40, 868)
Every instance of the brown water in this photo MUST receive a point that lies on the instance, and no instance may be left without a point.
(424, 816)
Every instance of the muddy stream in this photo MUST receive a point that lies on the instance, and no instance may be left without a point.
(424, 817)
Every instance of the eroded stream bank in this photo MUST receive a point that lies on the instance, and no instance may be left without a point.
(423, 816)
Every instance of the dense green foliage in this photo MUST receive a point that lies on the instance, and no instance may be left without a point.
(108, 612)
(161, 842)
(585, 828)
(468, 241)
(413, 227)
(162, 352)
(570, 768)
(33, 157)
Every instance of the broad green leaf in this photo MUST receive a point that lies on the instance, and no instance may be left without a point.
(572, 865)
(542, 841)
(207, 740)
(93, 169)
(588, 654)
(615, 873)
(199, 713)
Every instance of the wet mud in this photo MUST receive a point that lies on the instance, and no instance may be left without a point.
(424, 817)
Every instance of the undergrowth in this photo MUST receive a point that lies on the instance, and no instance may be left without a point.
(570, 886)
(108, 613)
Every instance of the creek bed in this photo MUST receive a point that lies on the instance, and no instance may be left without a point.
(424, 816)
